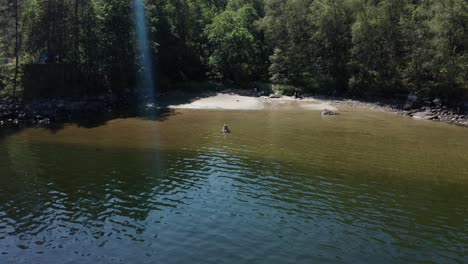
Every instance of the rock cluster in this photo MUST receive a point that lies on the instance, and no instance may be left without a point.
(422, 109)
(439, 114)
(426, 109)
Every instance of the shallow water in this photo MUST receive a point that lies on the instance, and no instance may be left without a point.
(284, 187)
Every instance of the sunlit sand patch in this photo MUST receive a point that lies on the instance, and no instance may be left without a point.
(237, 102)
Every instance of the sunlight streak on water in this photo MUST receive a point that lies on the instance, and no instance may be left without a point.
(145, 74)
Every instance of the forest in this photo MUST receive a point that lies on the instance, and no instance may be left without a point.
(385, 48)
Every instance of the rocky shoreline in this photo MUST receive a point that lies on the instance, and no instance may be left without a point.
(432, 110)
(439, 114)
(60, 111)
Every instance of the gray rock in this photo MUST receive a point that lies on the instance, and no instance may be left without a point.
(426, 115)
(327, 112)
(412, 101)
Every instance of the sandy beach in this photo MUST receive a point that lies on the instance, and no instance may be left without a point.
(226, 101)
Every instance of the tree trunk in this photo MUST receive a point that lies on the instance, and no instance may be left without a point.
(15, 80)
(76, 34)
(62, 28)
(76, 44)
(49, 13)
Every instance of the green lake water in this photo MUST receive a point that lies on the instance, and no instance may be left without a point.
(284, 187)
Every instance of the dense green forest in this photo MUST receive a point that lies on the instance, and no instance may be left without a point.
(335, 47)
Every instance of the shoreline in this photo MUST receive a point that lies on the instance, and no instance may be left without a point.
(438, 113)
(61, 111)
(229, 100)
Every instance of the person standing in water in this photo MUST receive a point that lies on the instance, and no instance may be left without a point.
(226, 129)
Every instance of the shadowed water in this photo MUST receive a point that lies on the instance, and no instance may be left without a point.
(284, 187)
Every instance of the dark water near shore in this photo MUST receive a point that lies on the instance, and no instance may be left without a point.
(284, 187)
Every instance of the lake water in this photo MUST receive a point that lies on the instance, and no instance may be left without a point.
(284, 187)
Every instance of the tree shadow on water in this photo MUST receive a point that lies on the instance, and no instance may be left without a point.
(95, 115)
(93, 120)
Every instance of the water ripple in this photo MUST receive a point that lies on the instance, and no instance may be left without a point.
(219, 201)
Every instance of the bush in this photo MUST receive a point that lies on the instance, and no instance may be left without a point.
(285, 89)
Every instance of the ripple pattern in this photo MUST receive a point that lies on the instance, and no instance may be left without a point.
(216, 204)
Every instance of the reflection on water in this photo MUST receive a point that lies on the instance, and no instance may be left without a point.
(283, 188)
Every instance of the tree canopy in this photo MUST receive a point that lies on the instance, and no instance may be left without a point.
(348, 47)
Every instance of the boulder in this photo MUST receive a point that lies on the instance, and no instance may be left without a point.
(426, 115)
(411, 102)
(327, 112)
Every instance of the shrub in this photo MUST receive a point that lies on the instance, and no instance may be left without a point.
(284, 89)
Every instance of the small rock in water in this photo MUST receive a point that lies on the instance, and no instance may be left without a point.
(326, 112)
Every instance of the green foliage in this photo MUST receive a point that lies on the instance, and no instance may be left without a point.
(3, 62)
(348, 47)
(378, 38)
(234, 48)
(117, 45)
(331, 42)
(287, 33)
(449, 28)
(285, 89)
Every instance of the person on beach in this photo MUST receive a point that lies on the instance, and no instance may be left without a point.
(226, 129)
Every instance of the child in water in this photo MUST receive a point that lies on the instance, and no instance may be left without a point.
(226, 129)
